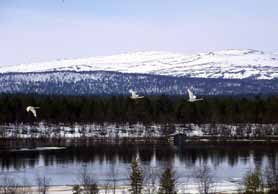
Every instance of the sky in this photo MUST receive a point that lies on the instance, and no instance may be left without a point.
(42, 30)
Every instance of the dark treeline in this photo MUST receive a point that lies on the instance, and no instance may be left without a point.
(159, 109)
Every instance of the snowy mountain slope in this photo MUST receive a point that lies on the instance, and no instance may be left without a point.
(227, 64)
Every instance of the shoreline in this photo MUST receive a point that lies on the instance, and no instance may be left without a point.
(223, 188)
(55, 144)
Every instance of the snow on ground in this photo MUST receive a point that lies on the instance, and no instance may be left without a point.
(113, 130)
(230, 64)
(224, 187)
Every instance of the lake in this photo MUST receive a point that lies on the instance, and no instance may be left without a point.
(62, 162)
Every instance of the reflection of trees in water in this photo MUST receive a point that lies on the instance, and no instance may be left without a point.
(217, 155)
(258, 157)
(125, 152)
(18, 161)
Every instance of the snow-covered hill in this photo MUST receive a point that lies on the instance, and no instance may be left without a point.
(227, 64)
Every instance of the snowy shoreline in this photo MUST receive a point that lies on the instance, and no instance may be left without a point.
(223, 188)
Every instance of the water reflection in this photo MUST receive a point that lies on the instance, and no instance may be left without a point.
(226, 161)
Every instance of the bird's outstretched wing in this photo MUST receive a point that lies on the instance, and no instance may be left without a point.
(190, 94)
(34, 112)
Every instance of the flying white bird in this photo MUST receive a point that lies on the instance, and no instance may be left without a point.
(192, 97)
(134, 95)
(32, 109)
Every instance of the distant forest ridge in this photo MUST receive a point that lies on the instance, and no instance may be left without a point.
(115, 83)
(151, 109)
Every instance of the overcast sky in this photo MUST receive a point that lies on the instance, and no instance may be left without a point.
(41, 30)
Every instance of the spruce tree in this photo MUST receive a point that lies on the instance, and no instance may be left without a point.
(136, 178)
(76, 189)
(167, 183)
(253, 182)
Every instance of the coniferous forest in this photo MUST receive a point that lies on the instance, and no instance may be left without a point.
(157, 109)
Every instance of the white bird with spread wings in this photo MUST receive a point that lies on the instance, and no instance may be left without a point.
(134, 95)
(192, 97)
(32, 109)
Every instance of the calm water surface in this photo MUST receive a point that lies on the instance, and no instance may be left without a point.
(63, 166)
